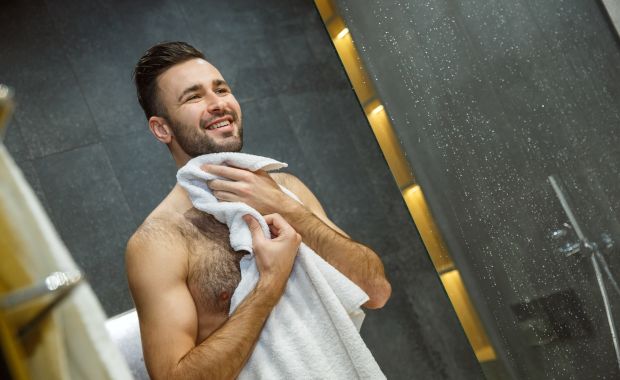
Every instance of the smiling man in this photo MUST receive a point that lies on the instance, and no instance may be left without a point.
(181, 268)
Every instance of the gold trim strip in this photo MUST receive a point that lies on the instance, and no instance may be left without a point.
(412, 193)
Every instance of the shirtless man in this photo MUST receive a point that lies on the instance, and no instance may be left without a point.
(181, 268)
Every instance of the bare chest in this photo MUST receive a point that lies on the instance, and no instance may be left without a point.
(213, 265)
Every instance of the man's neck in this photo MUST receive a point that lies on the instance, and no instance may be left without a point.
(180, 162)
(180, 157)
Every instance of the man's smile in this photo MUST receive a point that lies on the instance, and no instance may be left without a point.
(221, 124)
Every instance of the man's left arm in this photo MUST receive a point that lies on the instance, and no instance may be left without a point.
(257, 189)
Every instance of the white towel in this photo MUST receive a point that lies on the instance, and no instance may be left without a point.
(313, 331)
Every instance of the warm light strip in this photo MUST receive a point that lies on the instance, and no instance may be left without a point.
(389, 144)
(418, 208)
(467, 315)
(377, 109)
(343, 33)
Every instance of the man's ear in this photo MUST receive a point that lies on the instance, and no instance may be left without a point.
(160, 129)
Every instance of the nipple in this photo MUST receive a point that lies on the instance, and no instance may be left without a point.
(224, 296)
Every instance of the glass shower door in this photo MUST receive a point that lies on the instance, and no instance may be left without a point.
(589, 200)
(592, 250)
(562, 288)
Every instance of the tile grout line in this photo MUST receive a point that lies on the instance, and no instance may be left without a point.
(100, 140)
(73, 72)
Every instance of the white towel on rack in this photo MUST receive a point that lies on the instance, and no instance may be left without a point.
(313, 331)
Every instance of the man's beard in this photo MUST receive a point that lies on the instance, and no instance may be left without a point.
(196, 143)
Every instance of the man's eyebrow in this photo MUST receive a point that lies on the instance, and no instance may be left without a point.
(220, 82)
(190, 89)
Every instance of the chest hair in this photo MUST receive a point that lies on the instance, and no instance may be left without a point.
(213, 265)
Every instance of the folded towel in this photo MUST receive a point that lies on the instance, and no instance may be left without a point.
(313, 331)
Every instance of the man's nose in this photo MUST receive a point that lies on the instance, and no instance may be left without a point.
(216, 105)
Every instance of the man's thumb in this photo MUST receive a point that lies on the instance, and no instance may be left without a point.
(254, 226)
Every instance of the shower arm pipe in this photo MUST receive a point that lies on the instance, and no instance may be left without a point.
(594, 252)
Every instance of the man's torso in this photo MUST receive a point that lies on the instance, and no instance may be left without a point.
(213, 266)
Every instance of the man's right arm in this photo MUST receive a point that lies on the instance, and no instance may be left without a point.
(157, 270)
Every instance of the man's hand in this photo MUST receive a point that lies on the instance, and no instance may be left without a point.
(256, 189)
(274, 257)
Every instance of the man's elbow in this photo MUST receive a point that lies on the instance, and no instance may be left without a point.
(380, 294)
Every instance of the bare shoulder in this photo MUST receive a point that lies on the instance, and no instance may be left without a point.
(158, 228)
(298, 188)
(156, 246)
(306, 196)
(289, 181)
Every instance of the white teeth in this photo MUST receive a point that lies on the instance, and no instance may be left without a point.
(219, 125)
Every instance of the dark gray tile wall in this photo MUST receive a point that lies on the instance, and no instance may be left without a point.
(82, 141)
(489, 98)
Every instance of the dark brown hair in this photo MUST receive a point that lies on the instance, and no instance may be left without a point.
(153, 63)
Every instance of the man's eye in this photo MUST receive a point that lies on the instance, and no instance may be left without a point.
(193, 97)
(221, 90)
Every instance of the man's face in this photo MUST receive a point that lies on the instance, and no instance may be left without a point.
(202, 112)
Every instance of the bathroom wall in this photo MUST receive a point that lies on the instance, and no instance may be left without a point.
(82, 141)
(490, 99)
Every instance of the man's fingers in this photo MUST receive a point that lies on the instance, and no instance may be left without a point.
(279, 224)
(257, 232)
(235, 174)
(222, 185)
(276, 219)
(225, 196)
(274, 231)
